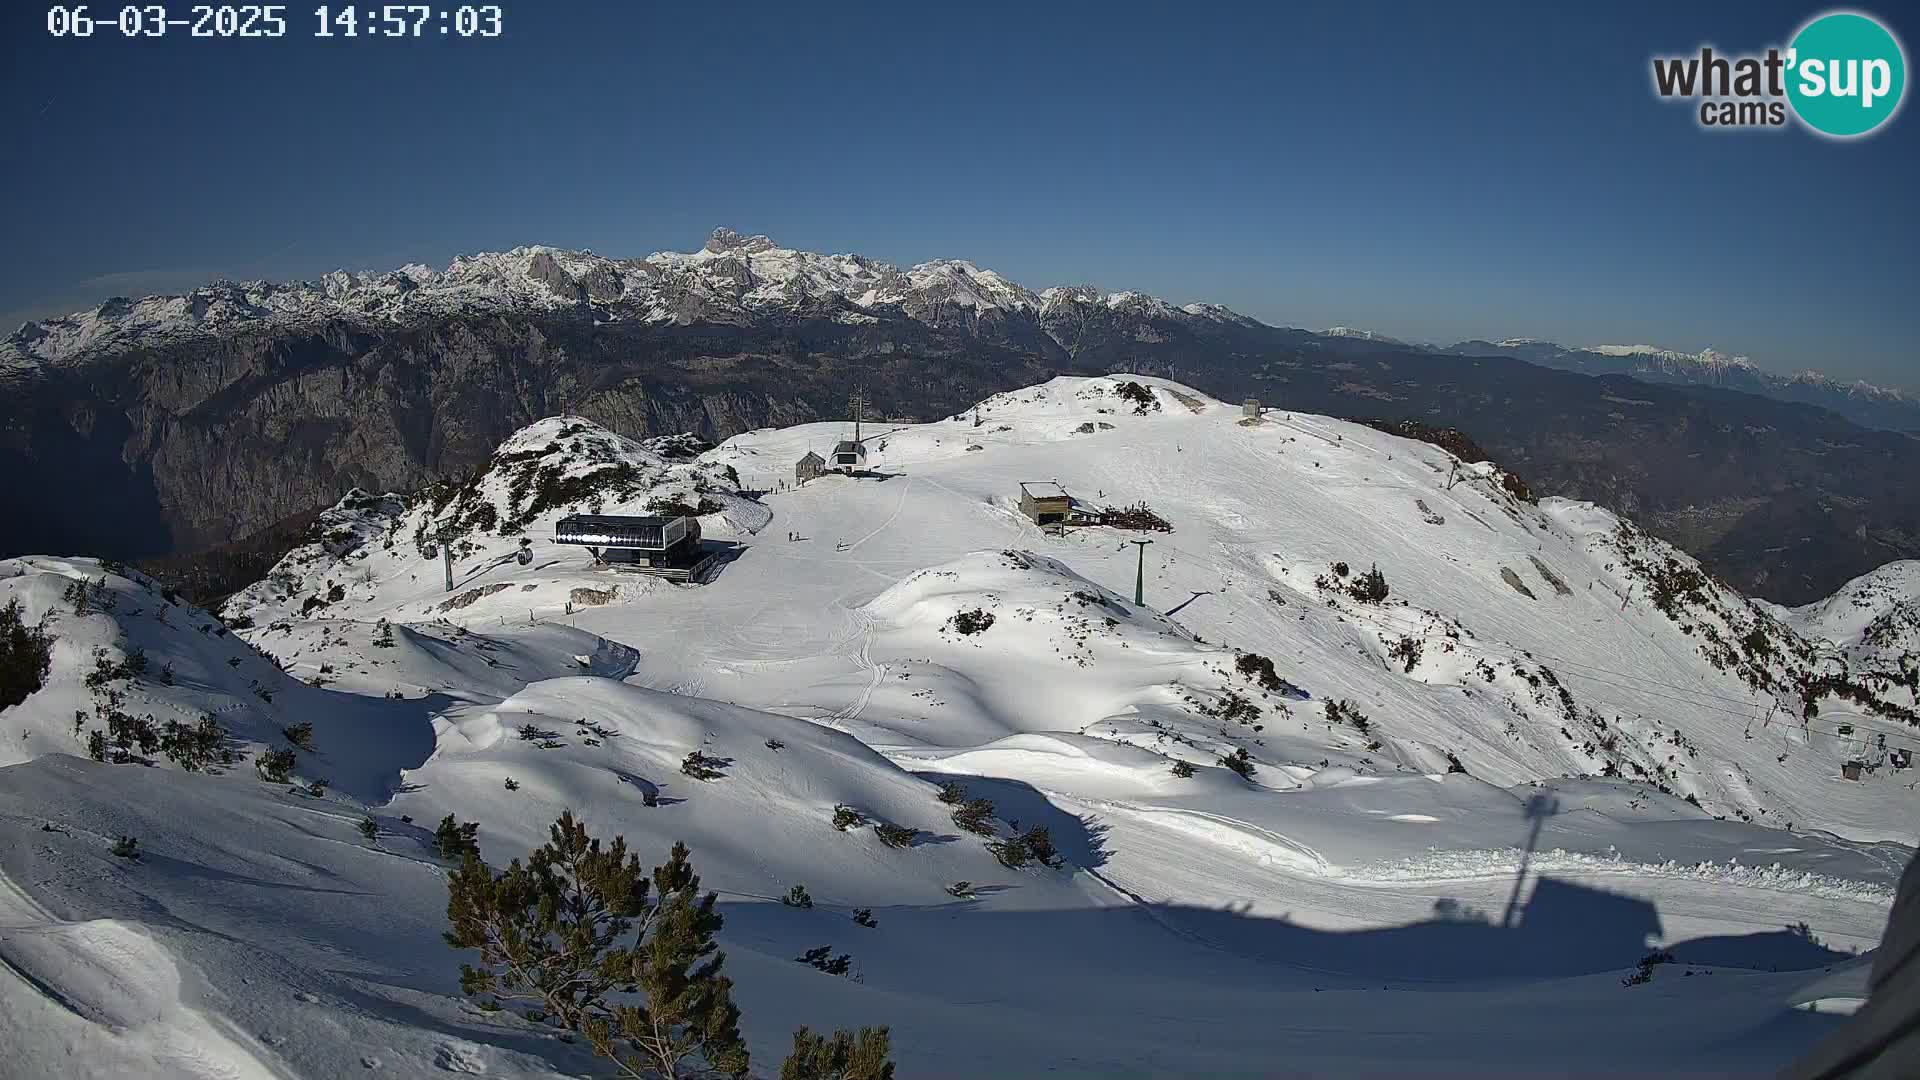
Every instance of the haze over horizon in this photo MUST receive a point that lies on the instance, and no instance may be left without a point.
(1430, 181)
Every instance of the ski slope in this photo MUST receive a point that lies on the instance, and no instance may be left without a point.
(1453, 883)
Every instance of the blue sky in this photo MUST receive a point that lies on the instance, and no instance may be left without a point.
(1491, 171)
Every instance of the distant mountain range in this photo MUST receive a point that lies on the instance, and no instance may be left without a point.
(1861, 402)
(1864, 403)
(171, 424)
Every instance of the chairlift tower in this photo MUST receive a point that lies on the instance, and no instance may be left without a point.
(446, 555)
(857, 405)
(1140, 574)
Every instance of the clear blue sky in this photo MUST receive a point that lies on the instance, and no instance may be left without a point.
(1488, 172)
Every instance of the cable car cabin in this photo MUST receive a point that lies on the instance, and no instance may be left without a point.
(850, 455)
(641, 541)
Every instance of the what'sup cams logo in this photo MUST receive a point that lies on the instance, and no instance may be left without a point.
(1843, 76)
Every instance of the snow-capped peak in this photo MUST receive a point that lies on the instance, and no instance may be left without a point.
(726, 241)
(1708, 357)
(1363, 335)
(732, 278)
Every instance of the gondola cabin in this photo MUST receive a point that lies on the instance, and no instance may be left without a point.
(643, 541)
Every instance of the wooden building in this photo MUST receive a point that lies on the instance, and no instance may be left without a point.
(809, 468)
(1045, 502)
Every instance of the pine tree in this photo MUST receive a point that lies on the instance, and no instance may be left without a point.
(26, 655)
(1370, 587)
(455, 840)
(842, 1056)
(1182, 769)
(1039, 841)
(549, 934)
(1012, 852)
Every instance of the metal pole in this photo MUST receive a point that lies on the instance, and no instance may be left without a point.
(1140, 573)
(446, 560)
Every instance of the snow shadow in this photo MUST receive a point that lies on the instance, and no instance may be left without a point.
(1082, 840)
(1564, 928)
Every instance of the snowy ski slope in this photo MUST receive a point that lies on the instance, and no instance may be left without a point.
(1438, 876)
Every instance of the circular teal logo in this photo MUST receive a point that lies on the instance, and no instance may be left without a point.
(1845, 74)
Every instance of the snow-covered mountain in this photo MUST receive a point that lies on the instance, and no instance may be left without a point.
(1862, 402)
(1875, 618)
(1360, 335)
(733, 278)
(1462, 798)
(1709, 358)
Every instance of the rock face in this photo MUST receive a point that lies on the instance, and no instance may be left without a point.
(179, 448)
(165, 425)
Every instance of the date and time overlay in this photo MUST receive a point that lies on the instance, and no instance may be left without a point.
(241, 21)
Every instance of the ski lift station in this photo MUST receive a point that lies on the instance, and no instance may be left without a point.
(669, 546)
(1046, 502)
(850, 455)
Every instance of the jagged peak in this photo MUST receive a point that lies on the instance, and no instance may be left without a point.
(725, 241)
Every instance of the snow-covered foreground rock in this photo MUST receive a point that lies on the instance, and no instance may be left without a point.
(1304, 827)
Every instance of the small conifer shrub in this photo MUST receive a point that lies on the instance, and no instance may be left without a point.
(895, 836)
(275, 766)
(821, 958)
(1240, 762)
(975, 816)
